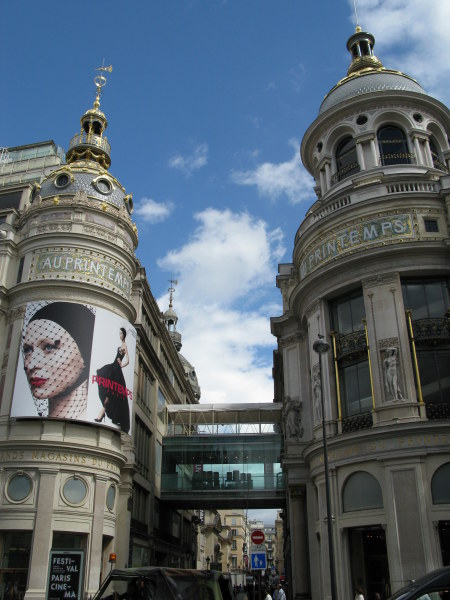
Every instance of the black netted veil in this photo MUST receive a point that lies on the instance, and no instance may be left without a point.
(77, 320)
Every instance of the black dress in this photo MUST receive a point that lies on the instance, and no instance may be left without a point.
(111, 386)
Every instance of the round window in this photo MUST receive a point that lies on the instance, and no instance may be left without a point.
(111, 497)
(417, 117)
(74, 491)
(62, 180)
(361, 120)
(319, 147)
(103, 185)
(19, 487)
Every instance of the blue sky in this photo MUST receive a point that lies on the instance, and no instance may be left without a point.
(207, 104)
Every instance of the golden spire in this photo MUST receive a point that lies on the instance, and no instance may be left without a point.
(91, 143)
(100, 82)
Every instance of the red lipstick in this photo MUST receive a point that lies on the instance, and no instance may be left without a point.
(37, 381)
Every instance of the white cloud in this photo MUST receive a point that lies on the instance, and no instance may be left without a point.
(192, 162)
(411, 36)
(275, 180)
(151, 211)
(228, 263)
(228, 255)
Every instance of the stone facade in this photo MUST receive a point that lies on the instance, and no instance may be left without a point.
(370, 272)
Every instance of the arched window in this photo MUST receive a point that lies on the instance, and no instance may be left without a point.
(393, 146)
(361, 492)
(346, 160)
(440, 490)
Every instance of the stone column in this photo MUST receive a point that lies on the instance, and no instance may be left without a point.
(373, 148)
(360, 154)
(420, 160)
(328, 174)
(42, 537)
(299, 550)
(322, 182)
(96, 537)
(428, 152)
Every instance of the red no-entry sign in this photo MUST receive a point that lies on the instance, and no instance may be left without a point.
(257, 537)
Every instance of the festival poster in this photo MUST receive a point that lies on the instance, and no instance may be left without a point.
(76, 362)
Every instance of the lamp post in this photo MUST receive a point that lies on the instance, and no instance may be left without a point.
(208, 560)
(321, 346)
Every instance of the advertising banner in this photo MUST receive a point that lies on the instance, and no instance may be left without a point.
(77, 362)
(65, 577)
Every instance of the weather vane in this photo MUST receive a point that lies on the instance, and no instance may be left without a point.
(171, 290)
(100, 81)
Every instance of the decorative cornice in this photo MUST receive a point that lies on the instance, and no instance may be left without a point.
(292, 340)
(388, 343)
(312, 308)
(381, 279)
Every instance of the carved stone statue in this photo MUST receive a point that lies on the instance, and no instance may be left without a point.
(390, 366)
(292, 418)
(317, 394)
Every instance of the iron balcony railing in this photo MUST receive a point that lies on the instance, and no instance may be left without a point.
(397, 158)
(90, 139)
(432, 331)
(345, 172)
(351, 344)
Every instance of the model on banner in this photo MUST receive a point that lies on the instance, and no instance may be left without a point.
(57, 353)
(112, 388)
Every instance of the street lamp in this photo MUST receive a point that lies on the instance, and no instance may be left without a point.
(208, 560)
(321, 346)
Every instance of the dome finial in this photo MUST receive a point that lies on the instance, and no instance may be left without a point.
(171, 318)
(91, 144)
(100, 82)
(358, 28)
(171, 291)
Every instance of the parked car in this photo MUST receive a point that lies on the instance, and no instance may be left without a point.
(163, 583)
(433, 586)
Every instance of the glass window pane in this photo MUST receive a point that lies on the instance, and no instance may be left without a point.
(362, 491)
(74, 491)
(111, 497)
(19, 487)
(440, 488)
(435, 300)
(356, 393)
(414, 298)
(358, 313)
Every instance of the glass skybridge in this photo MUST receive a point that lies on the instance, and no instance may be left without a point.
(223, 456)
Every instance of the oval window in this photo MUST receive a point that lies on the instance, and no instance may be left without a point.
(103, 185)
(19, 487)
(62, 180)
(74, 491)
(111, 497)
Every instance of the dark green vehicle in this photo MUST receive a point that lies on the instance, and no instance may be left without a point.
(164, 583)
(433, 586)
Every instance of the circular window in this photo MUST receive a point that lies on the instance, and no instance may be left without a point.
(111, 497)
(74, 491)
(19, 487)
(417, 117)
(62, 180)
(319, 147)
(361, 120)
(103, 185)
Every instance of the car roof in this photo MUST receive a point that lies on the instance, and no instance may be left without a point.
(434, 579)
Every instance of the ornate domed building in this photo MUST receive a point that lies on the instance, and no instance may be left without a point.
(370, 273)
(87, 368)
